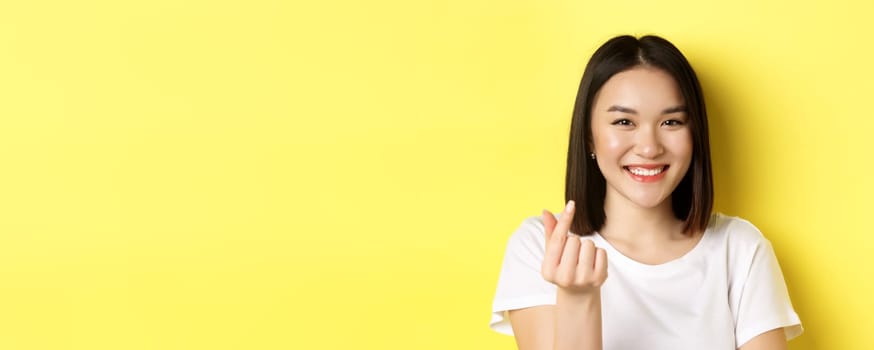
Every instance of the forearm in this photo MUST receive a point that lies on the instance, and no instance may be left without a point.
(578, 321)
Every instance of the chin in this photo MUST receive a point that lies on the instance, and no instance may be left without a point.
(649, 202)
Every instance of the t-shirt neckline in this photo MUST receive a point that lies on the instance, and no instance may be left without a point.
(653, 268)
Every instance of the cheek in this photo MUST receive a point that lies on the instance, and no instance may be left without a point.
(610, 142)
(681, 144)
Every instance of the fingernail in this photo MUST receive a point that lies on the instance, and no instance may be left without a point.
(569, 206)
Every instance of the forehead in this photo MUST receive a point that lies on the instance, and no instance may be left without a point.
(639, 88)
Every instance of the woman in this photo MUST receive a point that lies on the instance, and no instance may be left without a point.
(636, 260)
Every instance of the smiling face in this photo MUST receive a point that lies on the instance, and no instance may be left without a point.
(641, 136)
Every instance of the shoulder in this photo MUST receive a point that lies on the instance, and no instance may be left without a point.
(529, 236)
(740, 240)
(736, 231)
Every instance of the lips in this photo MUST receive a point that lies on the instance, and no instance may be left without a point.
(647, 172)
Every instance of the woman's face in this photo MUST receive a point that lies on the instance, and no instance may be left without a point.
(641, 136)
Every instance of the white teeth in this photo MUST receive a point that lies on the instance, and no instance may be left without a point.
(646, 172)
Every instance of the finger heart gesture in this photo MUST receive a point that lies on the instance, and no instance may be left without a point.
(570, 262)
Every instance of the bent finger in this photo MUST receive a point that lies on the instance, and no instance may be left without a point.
(600, 266)
(571, 251)
(567, 268)
(587, 256)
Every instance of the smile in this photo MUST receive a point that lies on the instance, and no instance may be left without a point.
(646, 174)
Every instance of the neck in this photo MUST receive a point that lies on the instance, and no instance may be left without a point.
(627, 221)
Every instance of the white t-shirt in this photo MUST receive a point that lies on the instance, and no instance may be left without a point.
(728, 289)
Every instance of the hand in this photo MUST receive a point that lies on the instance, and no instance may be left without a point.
(571, 263)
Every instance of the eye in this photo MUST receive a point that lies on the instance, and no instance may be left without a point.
(673, 122)
(622, 122)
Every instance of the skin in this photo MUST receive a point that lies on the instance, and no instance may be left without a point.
(638, 119)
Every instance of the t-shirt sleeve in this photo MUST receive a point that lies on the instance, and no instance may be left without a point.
(764, 302)
(520, 283)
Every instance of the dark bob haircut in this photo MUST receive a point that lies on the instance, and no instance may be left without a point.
(692, 200)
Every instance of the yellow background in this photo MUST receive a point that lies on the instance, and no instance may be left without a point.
(344, 174)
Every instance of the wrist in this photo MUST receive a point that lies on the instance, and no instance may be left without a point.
(575, 303)
(578, 320)
(564, 296)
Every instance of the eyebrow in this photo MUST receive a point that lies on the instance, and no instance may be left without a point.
(675, 109)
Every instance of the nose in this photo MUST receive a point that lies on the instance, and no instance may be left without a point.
(647, 143)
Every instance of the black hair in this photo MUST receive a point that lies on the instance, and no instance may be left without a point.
(692, 200)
